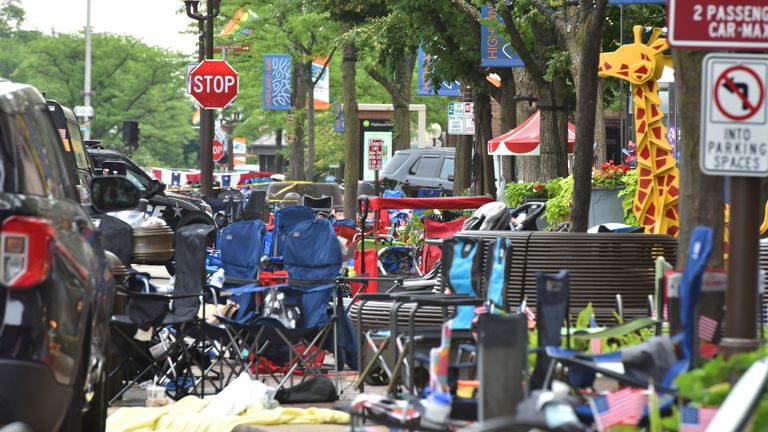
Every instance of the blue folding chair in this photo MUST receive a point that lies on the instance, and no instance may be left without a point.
(312, 259)
(285, 220)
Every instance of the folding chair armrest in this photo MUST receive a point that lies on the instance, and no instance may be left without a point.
(406, 295)
(238, 281)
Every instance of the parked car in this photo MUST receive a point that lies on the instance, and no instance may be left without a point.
(175, 209)
(75, 155)
(55, 287)
(423, 168)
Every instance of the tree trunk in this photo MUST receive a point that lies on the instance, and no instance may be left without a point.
(401, 101)
(508, 119)
(309, 166)
(601, 152)
(553, 106)
(701, 196)
(299, 119)
(279, 159)
(485, 182)
(351, 128)
(588, 37)
(529, 169)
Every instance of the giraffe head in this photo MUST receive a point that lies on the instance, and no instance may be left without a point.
(636, 62)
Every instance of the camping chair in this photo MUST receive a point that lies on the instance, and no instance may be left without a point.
(170, 317)
(305, 310)
(255, 207)
(476, 275)
(654, 359)
(322, 205)
(285, 219)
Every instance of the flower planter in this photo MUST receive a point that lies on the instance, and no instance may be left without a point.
(605, 206)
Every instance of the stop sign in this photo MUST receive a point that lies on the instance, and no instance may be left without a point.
(218, 150)
(214, 84)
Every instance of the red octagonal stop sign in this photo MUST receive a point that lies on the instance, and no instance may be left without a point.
(214, 84)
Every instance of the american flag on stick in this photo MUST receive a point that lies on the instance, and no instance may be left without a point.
(707, 328)
(694, 419)
(624, 406)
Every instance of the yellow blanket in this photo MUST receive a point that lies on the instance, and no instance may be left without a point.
(186, 416)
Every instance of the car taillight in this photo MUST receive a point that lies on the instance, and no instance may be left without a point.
(25, 251)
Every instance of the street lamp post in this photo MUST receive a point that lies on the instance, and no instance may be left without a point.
(205, 25)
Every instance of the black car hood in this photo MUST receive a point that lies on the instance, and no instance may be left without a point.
(183, 201)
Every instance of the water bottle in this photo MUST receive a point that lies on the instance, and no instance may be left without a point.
(438, 408)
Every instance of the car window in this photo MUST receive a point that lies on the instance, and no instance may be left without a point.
(447, 169)
(426, 166)
(395, 163)
(139, 179)
(81, 158)
(39, 161)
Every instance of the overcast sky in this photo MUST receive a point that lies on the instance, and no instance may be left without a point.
(156, 22)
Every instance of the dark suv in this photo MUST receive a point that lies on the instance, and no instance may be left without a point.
(55, 287)
(423, 168)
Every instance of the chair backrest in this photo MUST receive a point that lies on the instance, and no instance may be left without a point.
(499, 255)
(437, 230)
(322, 204)
(255, 208)
(241, 244)
(285, 220)
(690, 288)
(312, 252)
(429, 193)
(191, 242)
(552, 301)
(463, 260)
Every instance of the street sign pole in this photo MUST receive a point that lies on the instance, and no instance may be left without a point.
(743, 244)
(734, 136)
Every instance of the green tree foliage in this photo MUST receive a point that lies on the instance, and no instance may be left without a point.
(131, 81)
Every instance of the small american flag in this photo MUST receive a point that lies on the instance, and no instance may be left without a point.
(524, 308)
(624, 406)
(696, 419)
(596, 344)
(707, 328)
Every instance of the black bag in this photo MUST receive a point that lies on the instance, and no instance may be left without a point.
(315, 389)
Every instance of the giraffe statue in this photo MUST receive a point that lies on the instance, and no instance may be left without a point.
(658, 180)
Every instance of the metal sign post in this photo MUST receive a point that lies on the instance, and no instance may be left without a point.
(734, 135)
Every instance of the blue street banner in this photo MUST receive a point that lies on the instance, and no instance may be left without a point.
(277, 82)
(495, 51)
(338, 122)
(447, 88)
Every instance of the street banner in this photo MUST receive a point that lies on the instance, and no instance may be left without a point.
(239, 146)
(239, 23)
(447, 88)
(277, 82)
(495, 51)
(322, 88)
(338, 121)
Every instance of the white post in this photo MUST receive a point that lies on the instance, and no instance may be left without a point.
(87, 86)
(422, 127)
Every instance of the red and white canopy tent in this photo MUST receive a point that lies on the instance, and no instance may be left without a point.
(524, 139)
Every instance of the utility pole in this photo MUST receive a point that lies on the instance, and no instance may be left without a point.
(205, 24)
(87, 85)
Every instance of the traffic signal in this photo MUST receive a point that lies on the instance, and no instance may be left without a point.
(131, 133)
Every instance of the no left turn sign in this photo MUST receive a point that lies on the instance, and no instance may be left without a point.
(734, 115)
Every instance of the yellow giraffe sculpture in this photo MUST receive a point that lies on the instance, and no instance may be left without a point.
(658, 179)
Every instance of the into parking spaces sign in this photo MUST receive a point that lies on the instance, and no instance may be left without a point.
(734, 115)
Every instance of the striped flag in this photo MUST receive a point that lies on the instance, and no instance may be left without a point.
(524, 308)
(624, 406)
(595, 344)
(707, 328)
(694, 419)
